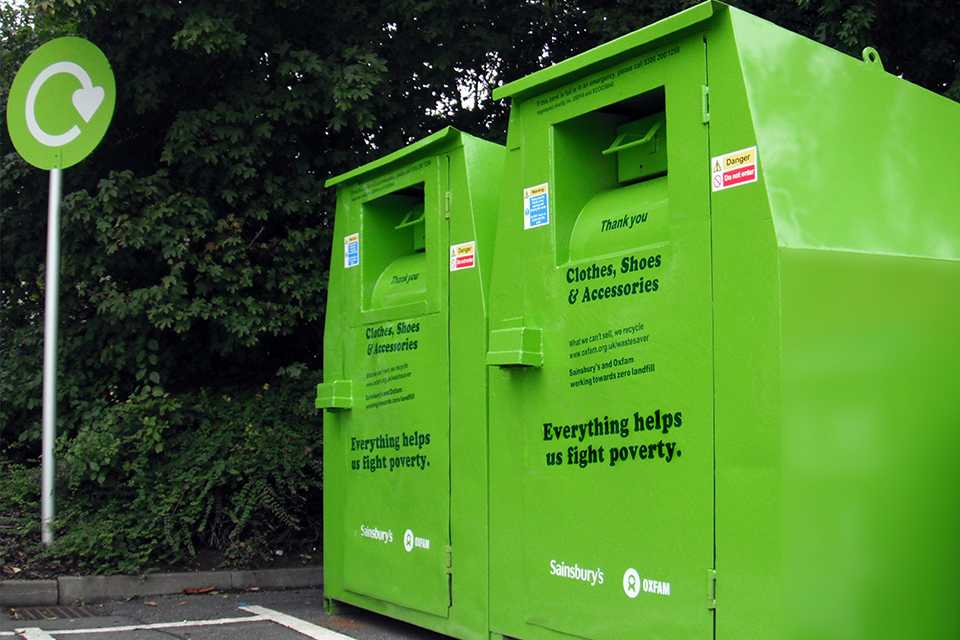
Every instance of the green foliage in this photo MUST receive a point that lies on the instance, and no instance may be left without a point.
(19, 495)
(918, 40)
(19, 521)
(155, 478)
(196, 238)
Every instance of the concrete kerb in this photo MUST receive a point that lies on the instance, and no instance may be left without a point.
(28, 593)
(89, 589)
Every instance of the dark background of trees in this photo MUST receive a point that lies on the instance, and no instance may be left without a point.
(196, 238)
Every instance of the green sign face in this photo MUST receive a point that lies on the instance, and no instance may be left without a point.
(61, 103)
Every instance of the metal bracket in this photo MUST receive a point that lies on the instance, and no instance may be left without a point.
(621, 144)
(448, 558)
(872, 57)
(705, 105)
(447, 204)
(414, 216)
(516, 347)
(334, 394)
(331, 607)
(712, 589)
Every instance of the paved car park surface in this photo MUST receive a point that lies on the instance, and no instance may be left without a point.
(259, 615)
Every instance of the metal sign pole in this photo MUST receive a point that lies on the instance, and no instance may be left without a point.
(83, 127)
(50, 317)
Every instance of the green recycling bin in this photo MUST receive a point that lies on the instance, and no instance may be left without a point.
(405, 451)
(723, 349)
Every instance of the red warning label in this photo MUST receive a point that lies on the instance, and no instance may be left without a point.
(733, 169)
(463, 255)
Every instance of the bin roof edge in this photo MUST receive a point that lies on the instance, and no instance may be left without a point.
(444, 135)
(619, 46)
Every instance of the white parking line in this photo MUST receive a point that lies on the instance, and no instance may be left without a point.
(160, 625)
(34, 634)
(296, 624)
(260, 614)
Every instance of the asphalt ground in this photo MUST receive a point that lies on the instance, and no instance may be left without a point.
(305, 606)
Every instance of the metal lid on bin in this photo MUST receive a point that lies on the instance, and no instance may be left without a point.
(444, 135)
(614, 50)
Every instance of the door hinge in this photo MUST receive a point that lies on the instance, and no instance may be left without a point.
(712, 589)
(448, 558)
(706, 103)
(447, 204)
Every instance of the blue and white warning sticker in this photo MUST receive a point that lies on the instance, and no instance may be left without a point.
(351, 250)
(536, 206)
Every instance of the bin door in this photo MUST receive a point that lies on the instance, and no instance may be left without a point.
(602, 456)
(397, 509)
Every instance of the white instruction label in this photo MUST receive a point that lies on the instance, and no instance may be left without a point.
(734, 169)
(536, 206)
(463, 255)
(351, 250)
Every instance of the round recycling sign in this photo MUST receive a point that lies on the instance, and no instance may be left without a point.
(61, 103)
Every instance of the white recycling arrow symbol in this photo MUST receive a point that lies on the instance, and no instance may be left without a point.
(86, 101)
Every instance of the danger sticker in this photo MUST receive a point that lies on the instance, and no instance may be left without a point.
(463, 255)
(351, 250)
(536, 206)
(734, 169)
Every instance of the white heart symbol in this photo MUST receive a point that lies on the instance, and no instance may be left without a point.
(87, 101)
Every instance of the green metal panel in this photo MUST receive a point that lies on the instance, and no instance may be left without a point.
(601, 385)
(396, 437)
(403, 281)
(431, 143)
(405, 449)
(842, 379)
(630, 230)
(623, 47)
(751, 590)
(805, 313)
